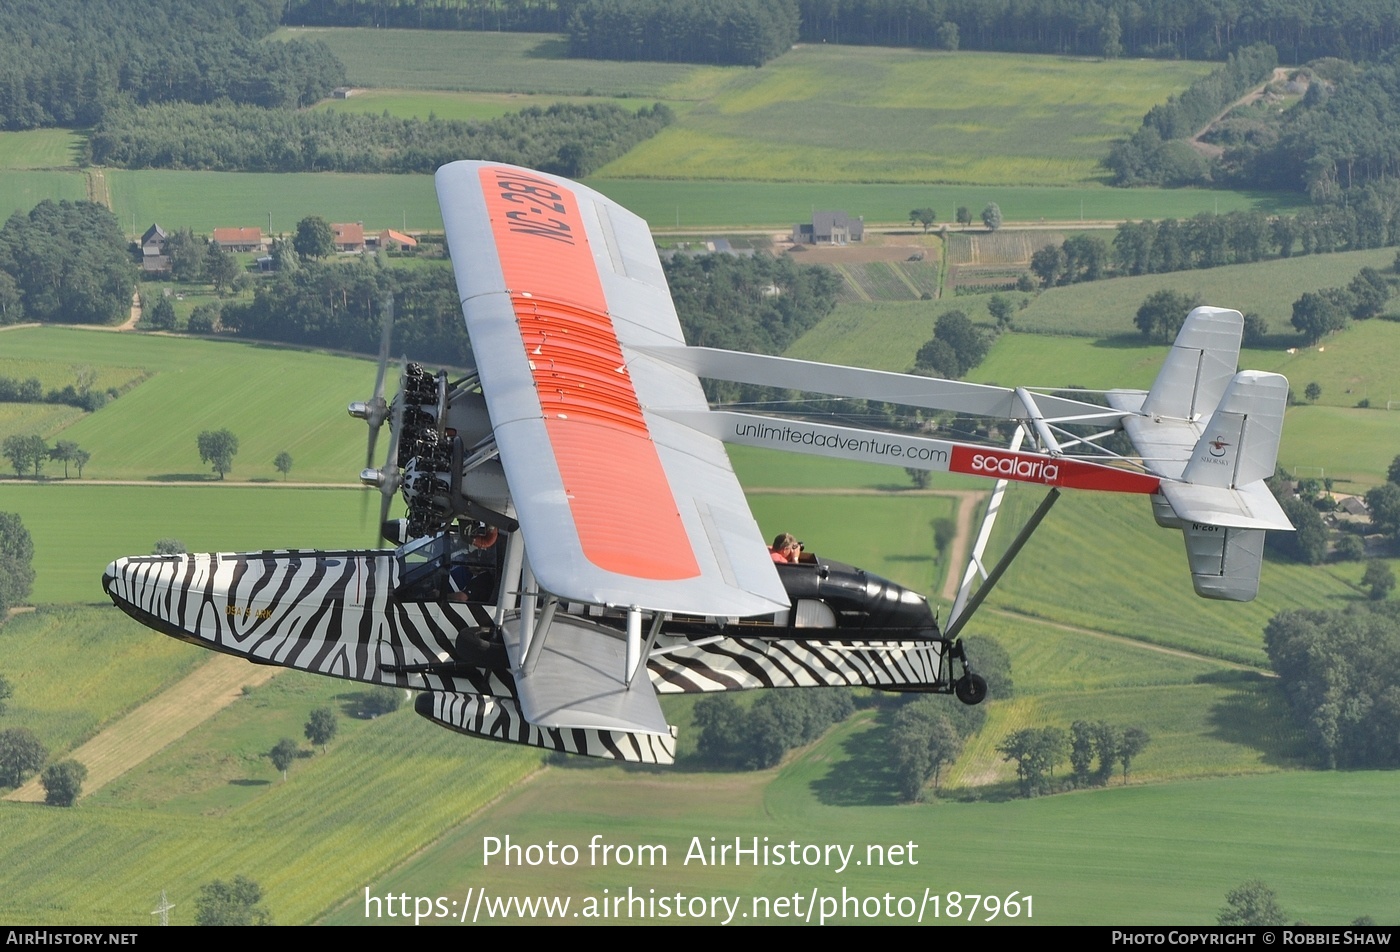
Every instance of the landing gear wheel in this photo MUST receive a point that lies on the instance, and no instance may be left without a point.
(971, 688)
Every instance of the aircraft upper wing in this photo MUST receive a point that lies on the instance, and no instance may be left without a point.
(561, 288)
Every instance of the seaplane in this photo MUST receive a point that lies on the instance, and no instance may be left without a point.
(577, 544)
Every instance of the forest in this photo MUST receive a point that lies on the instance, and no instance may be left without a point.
(565, 139)
(739, 32)
(65, 262)
(67, 62)
(1191, 29)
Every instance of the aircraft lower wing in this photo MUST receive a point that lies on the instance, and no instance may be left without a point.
(561, 286)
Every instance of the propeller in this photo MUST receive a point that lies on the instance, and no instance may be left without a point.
(377, 410)
(388, 478)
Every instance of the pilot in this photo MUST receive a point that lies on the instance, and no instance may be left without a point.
(785, 548)
(473, 578)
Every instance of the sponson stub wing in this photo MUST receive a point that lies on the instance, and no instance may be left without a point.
(617, 506)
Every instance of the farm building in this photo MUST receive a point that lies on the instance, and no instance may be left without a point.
(349, 236)
(829, 228)
(240, 239)
(153, 257)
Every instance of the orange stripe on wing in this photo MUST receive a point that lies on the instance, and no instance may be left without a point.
(621, 501)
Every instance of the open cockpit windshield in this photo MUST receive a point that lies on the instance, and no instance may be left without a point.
(450, 566)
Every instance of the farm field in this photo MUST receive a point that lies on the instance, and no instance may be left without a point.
(78, 529)
(274, 202)
(1268, 288)
(40, 149)
(447, 105)
(865, 114)
(1136, 852)
(504, 63)
(212, 806)
(273, 398)
(22, 190)
(680, 204)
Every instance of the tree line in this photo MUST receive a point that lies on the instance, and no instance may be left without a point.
(737, 32)
(1194, 29)
(1337, 669)
(1211, 240)
(566, 139)
(68, 62)
(65, 262)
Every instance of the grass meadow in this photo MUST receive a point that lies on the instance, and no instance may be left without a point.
(77, 529)
(211, 806)
(273, 202)
(1133, 855)
(459, 106)
(22, 190)
(866, 114)
(40, 149)
(504, 63)
(272, 398)
(1269, 288)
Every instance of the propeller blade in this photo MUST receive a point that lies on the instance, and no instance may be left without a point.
(376, 410)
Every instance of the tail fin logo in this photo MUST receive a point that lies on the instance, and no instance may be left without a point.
(1217, 447)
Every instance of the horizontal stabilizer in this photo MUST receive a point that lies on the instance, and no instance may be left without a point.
(1225, 562)
(1249, 507)
(1240, 444)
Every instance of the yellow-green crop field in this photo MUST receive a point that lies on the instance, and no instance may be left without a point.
(863, 114)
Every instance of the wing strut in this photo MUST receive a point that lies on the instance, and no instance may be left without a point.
(985, 589)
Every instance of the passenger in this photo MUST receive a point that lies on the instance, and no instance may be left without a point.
(785, 548)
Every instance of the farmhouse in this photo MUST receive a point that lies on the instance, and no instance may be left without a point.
(240, 239)
(829, 228)
(153, 257)
(349, 237)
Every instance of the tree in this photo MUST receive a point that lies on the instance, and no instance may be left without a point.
(1131, 744)
(161, 314)
(221, 267)
(948, 37)
(25, 453)
(1379, 578)
(80, 459)
(237, 903)
(1384, 503)
(919, 477)
(63, 783)
(6, 692)
(923, 216)
(1002, 309)
(64, 450)
(1163, 313)
(283, 462)
(282, 755)
(1048, 264)
(1251, 904)
(1111, 36)
(381, 700)
(1319, 313)
(314, 238)
(321, 727)
(16, 561)
(1393, 474)
(991, 216)
(964, 216)
(21, 754)
(923, 740)
(169, 546)
(1312, 392)
(1255, 330)
(218, 448)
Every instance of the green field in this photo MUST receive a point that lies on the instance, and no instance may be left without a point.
(692, 204)
(447, 105)
(504, 63)
(40, 149)
(21, 191)
(204, 201)
(868, 114)
(1269, 288)
(272, 398)
(1121, 856)
(77, 529)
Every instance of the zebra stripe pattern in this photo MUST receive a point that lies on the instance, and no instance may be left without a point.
(740, 664)
(500, 719)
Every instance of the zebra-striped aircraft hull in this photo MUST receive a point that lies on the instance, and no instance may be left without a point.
(335, 613)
